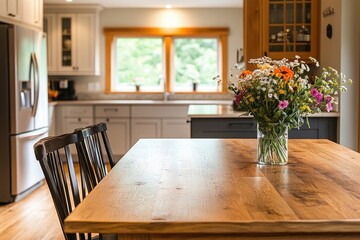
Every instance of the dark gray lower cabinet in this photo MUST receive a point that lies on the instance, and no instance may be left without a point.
(320, 127)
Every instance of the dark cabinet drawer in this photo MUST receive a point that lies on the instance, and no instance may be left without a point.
(223, 128)
(320, 127)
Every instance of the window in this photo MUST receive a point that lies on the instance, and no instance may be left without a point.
(139, 65)
(195, 64)
(172, 60)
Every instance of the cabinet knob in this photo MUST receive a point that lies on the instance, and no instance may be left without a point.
(79, 119)
(107, 120)
(11, 15)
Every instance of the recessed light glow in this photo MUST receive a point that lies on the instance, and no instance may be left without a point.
(68, 0)
(168, 6)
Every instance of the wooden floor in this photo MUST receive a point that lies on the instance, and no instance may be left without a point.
(31, 218)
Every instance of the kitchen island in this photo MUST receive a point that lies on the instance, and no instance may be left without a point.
(221, 121)
(215, 190)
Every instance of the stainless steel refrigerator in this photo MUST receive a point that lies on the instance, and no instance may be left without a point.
(23, 108)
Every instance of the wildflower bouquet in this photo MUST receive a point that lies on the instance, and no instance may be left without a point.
(279, 95)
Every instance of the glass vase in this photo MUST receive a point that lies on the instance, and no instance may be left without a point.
(272, 144)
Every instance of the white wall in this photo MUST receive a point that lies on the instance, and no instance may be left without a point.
(343, 53)
(212, 17)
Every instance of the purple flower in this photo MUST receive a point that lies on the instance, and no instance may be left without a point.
(319, 97)
(239, 97)
(314, 92)
(283, 104)
(329, 107)
(328, 99)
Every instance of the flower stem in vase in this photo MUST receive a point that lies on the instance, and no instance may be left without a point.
(272, 144)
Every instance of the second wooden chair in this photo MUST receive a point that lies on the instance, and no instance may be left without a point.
(91, 153)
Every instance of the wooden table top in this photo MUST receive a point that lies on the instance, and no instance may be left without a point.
(215, 186)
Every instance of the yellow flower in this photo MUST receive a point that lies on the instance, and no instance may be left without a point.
(263, 66)
(281, 91)
(252, 99)
(305, 108)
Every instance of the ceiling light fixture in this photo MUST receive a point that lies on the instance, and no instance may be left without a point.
(168, 6)
(68, 0)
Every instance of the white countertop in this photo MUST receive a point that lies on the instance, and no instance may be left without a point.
(140, 102)
(226, 111)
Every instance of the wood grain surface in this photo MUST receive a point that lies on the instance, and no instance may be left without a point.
(213, 189)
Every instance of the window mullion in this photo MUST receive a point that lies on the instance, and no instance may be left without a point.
(109, 41)
(167, 62)
(224, 61)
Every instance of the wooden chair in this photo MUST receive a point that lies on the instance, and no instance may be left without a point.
(90, 152)
(54, 156)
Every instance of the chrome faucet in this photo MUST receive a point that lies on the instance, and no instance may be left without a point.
(166, 96)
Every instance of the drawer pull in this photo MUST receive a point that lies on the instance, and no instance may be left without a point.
(110, 109)
(242, 125)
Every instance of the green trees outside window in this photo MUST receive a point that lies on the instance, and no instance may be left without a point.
(139, 64)
(195, 62)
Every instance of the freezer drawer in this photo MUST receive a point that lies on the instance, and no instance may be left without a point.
(25, 169)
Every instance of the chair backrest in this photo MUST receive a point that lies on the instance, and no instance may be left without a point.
(56, 161)
(90, 153)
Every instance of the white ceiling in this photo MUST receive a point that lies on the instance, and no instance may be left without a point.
(156, 3)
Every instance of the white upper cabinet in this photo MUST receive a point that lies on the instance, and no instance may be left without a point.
(33, 12)
(23, 12)
(11, 9)
(76, 51)
(51, 38)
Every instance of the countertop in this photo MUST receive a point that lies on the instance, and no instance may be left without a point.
(139, 102)
(226, 111)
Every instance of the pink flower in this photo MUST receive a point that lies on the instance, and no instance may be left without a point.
(319, 97)
(283, 104)
(314, 92)
(329, 107)
(239, 97)
(328, 99)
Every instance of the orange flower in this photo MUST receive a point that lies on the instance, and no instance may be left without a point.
(245, 73)
(284, 72)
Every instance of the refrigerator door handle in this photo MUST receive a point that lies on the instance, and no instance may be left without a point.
(36, 84)
(31, 135)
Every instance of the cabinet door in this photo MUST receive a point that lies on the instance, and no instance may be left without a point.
(70, 124)
(3, 12)
(290, 28)
(51, 40)
(85, 47)
(252, 29)
(32, 12)
(118, 133)
(72, 117)
(66, 32)
(145, 128)
(175, 128)
(13, 9)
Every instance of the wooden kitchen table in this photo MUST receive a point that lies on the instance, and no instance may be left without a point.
(213, 189)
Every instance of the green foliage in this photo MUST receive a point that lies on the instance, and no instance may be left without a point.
(195, 60)
(139, 59)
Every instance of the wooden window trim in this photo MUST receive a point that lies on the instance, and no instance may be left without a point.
(167, 34)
